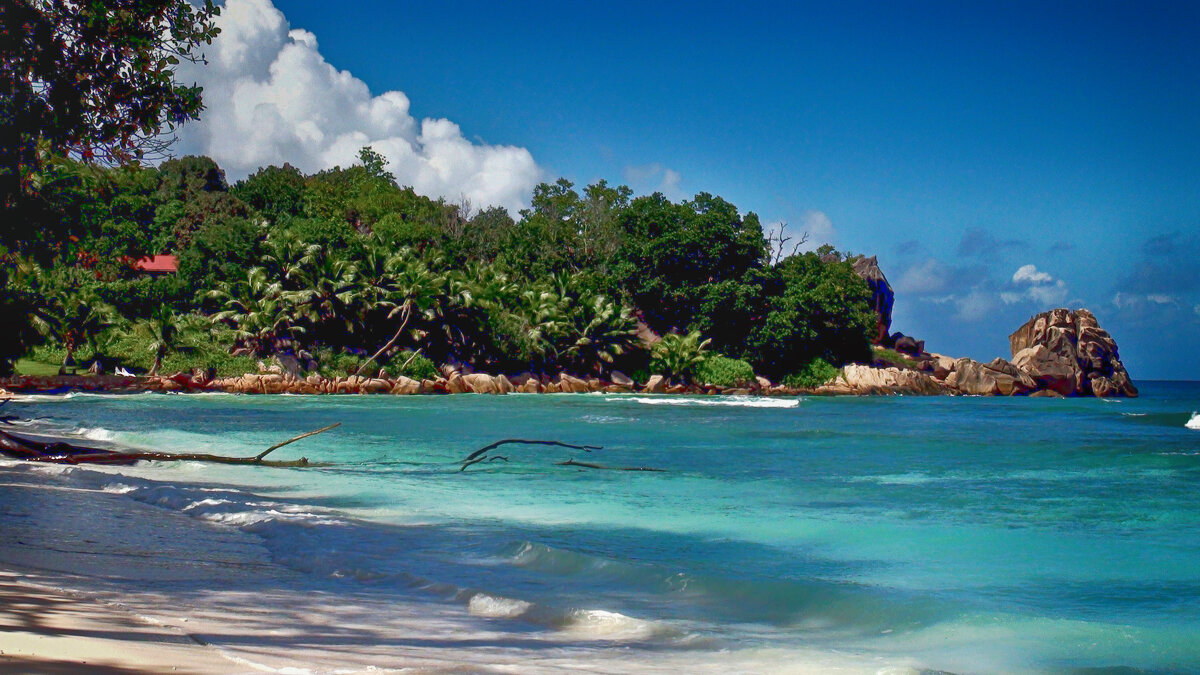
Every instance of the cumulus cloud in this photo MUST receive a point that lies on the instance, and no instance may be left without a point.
(271, 97)
(1030, 274)
(819, 229)
(1029, 284)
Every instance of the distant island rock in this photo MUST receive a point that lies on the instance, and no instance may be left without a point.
(1057, 353)
(1068, 352)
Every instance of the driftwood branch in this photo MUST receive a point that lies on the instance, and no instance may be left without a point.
(65, 453)
(271, 449)
(589, 465)
(480, 454)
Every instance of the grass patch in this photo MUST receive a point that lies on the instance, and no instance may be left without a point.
(37, 368)
(894, 358)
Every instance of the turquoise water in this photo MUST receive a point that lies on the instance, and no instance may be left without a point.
(958, 534)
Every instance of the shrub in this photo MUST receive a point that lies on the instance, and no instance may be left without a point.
(678, 356)
(813, 374)
(332, 364)
(723, 371)
(419, 368)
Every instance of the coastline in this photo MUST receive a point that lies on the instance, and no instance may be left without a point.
(72, 602)
(344, 570)
(47, 629)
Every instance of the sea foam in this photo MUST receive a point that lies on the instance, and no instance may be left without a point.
(733, 401)
(1194, 423)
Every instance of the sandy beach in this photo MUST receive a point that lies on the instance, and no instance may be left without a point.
(91, 581)
(44, 629)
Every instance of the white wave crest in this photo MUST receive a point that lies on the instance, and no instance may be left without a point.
(1194, 422)
(599, 624)
(94, 433)
(734, 401)
(492, 607)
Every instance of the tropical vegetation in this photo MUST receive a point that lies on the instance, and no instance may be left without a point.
(344, 271)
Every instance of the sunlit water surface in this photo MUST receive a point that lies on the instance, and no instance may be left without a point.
(959, 534)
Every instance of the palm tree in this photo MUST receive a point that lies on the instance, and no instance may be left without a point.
(677, 356)
(329, 289)
(74, 318)
(162, 328)
(600, 331)
(407, 285)
(261, 313)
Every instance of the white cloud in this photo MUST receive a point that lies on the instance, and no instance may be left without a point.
(271, 97)
(813, 230)
(819, 227)
(649, 178)
(930, 276)
(974, 306)
(1124, 300)
(1030, 274)
(1039, 287)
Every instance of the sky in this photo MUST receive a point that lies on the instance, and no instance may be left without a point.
(1000, 159)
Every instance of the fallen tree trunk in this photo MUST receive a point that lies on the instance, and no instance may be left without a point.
(479, 455)
(589, 465)
(65, 453)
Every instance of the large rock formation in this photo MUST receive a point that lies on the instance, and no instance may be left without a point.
(866, 380)
(882, 296)
(1067, 352)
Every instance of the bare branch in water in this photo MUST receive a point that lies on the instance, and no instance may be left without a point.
(589, 465)
(479, 455)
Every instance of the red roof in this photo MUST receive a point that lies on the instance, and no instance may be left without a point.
(158, 263)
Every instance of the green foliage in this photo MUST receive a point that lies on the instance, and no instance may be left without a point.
(220, 252)
(19, 307)
(677, 357)
(375, 164)
(418, 368)
(257, 310)
(724, 372)
(194, 343)
(813, 374)
(891, 357)
(332, 364)
(346, 264)
(823, 311)
(140, 297)
(275, 192)
(92, 78)
(686, 265)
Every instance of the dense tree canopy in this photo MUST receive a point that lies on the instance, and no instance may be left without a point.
(343, 264)
(93, 79)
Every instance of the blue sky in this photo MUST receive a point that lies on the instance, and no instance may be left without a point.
(959, 142)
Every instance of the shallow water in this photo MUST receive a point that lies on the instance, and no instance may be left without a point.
(959, 534)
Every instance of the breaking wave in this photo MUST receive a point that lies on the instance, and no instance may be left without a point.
(733, 401)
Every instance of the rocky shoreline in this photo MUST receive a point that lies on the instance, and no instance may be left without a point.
(1055, 354)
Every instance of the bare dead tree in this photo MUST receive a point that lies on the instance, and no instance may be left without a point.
(776, 241)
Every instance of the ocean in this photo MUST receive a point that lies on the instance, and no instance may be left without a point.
(873, 534)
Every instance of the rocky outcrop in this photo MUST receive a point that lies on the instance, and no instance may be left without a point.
(998, 378)
(882, 295)
(1069, 353)
(866, 380)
